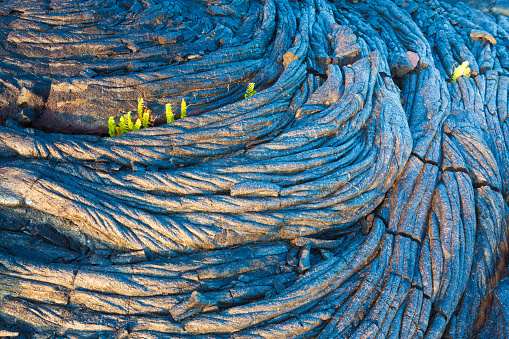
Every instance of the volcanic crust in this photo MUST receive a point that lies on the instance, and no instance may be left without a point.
(359, 194)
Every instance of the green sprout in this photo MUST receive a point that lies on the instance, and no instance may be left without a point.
(125, 125)
(140, 106)
(111, 127)
(183, 110)
(169, 114)
(250, 90)
(461, 70)
(129, 121)
(144, 120)
(137, 125)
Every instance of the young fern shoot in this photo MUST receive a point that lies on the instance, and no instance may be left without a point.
(183, 109)
(169, 114)
(111, 127)
(137, 125)
(144, 120)
(461, 70)
(129, 121)
(250, 90)
(140, 106)
(124, 125)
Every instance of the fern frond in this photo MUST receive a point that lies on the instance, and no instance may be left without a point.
(169, 114)
(151, 118)
(461, 70)
(183, 109)
(111, 127)
(137, 125)
(129, 121)
(250, 90)
(119, 131)
(145, 116)
(140, 106)
(123, 124)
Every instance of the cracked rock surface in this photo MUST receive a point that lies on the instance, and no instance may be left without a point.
(359, 194)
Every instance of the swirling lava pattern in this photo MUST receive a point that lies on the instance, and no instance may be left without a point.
(359, 194)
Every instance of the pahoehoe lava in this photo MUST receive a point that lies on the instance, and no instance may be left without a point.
(359, 194)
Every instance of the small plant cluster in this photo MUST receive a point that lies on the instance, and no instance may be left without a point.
(169, 113)
(461, 70)
(145, 118)
(250, 90)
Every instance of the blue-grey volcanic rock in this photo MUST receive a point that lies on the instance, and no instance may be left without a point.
(361, 193)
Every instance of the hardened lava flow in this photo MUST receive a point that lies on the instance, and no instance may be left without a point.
(360, 193)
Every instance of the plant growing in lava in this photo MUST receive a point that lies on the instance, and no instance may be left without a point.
(183, 109)
(169, 114)
(144, 119)
(250, 90)
(461, 70)
(126, 123)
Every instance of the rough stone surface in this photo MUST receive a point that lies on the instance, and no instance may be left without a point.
(359, 194)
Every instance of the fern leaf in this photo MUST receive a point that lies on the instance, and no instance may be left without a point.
(137, 125)
(169, 114)
(461, 70)
(140, 106)
(129, 121)
(119, 131)
(145, 116)
(183, 110)
(250, 90)
(111, 127)
(123, 124)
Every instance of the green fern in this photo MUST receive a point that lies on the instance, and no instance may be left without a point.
(250, 90)
(137, 125)
(145, 118)
(169, 114)
(461, 70)
(124, 125)
(129, 121)
(111, 127)
(183, 109)
(140, 106)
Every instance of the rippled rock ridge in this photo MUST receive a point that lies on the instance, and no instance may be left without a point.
(361, 193)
